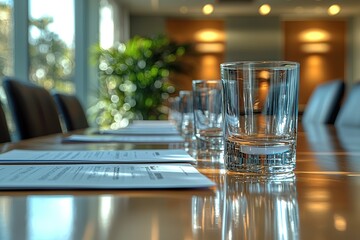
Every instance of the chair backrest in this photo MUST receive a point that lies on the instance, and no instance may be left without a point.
(33, 109)
(324, 103)
(4, 130)
(71, 111)
(349, 114)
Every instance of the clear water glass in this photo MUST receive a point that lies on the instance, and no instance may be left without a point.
(260, 117)
(208, 119)
(187, 114)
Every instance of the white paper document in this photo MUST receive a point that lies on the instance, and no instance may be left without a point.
(145, 127)
(125, 138)
(141, 131)
(97, 156)
(152, 123)
(101, 176)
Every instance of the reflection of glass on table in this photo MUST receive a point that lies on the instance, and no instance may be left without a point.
(260, 209)
(207, 212)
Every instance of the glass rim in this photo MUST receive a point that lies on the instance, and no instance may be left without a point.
(206, 80)
(185, 92)
(260, 64)
(210, 81)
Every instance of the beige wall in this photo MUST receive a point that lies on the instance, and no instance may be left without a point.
(253, 38)
(247, 38)
(261, 38)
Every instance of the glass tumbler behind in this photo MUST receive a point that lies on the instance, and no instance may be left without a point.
(207, 97)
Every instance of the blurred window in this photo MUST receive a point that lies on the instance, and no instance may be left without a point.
(51, 44)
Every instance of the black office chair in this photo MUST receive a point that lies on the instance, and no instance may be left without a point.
(324, 104)
(33, 109)
(349, 114)
(71, 111)
(4, 130)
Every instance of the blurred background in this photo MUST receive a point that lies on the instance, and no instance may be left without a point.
(92, 47)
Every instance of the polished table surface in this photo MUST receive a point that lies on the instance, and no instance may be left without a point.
(321, 202)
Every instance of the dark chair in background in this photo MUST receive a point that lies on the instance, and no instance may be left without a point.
(33, 109)
(349, 114)
(4, 130)
(71, 111)
(324, 103)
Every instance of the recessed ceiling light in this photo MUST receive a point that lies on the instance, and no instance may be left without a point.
(264, 9)
(208, 9)
(314, 35)
(334, 9)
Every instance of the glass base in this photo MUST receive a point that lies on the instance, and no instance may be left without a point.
(260, 177)
(210, 145)
(274, 163)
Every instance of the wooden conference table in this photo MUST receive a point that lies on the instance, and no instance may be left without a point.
(322, 202)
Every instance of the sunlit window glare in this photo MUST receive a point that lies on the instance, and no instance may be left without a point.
(63, 27)
(60, 208)
(51, 44)
(106, 27)
(106, 207)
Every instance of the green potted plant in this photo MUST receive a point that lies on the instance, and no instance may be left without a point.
(134, 80)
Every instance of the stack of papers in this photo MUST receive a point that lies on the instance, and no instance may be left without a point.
(92, 156)
(101, 176)
(90, 169)
(106, 169)
(146, 128)
(125, 138)
(137, 132)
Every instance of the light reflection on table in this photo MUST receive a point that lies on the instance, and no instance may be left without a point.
(262, 210)
(321, 202)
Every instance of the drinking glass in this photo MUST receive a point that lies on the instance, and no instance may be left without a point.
(208, 120)
(174, 111)
(260, 117)
(187, 114)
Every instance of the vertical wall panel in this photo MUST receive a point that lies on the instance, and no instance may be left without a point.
(320, 47)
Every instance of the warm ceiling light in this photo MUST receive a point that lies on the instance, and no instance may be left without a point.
(264, 9)
(314, 35)
(209, 35)
(340, 222)
(264, 74)
(208, 9)
(334, 9)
